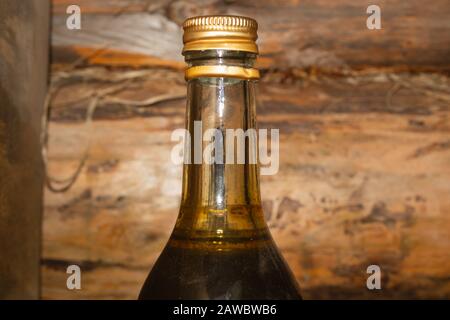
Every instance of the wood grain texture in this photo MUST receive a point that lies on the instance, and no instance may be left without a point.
(23, 87)
(331, 37)
(361, 182)
(365, 143)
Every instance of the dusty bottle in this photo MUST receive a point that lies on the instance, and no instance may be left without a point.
(220, 247)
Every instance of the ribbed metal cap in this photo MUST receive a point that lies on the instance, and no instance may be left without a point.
(220, 32)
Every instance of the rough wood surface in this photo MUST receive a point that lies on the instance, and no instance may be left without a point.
(363, 180)
(330, 36)
(23, 86)
(365, 143)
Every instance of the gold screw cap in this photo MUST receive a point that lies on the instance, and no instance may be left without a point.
(220, 32)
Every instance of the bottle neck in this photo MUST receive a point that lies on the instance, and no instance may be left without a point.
(221, 197)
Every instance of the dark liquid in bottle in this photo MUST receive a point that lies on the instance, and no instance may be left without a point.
(205, 270)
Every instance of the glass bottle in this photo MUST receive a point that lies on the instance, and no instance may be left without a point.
(221, 247)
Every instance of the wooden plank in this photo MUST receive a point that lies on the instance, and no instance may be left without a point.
(113, 7)
(361, 182)
(23, 73)
(331, 37)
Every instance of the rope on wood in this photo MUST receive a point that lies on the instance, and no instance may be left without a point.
(123, 81)
(58, 185)
(62, 185)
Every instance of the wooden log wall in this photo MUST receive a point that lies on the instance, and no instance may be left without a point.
(365, 144)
